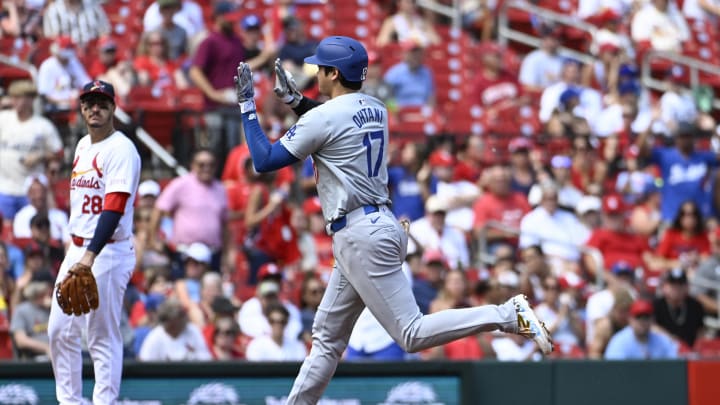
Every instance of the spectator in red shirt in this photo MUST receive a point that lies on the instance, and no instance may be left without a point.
(685, 243)
(499, 204)
(469, 160)
(613, 239)
(495, 87)
(154, 66)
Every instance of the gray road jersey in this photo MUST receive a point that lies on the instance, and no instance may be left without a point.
(348, 140)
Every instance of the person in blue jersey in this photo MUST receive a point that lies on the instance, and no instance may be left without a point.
(686, 172)
(409, 184)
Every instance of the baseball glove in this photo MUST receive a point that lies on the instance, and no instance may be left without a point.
(77, 294)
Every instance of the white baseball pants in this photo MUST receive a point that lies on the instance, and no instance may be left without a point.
(112, 269)
(368, 254)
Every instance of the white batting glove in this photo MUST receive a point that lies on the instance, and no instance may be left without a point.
(285, 88)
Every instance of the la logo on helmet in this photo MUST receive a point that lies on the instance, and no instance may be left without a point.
(364, 73)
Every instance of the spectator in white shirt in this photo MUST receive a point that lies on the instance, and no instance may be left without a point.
(702, 10)
(541, 67)
(568, 195)
(676, 104)
(175, 339)
(660, 23)
(60, 76)
(81, 20)
(189, 17)
(252, 319)
(590, 99)
(460, 195)
(37, 193)
(276, 346)
(432, 233)
(558, 232)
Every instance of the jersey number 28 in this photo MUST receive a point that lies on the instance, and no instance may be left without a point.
(92, 205)
(368, 142)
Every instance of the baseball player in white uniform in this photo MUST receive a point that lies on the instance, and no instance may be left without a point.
(347, 138)
(105, 176)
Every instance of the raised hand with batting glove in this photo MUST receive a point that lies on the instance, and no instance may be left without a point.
(285, 88)
(244, 88)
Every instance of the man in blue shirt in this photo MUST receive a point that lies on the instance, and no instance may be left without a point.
(685, 172)
(636, 341)
(411, 81)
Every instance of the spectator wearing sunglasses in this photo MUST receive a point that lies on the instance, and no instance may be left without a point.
(276, 346)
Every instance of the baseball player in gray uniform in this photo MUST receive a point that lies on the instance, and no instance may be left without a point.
(347, 138)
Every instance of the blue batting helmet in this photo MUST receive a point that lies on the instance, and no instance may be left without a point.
(343, 53)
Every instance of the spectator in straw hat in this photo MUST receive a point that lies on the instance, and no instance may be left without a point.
(26, 142)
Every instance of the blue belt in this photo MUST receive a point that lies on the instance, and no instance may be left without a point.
(340, 223)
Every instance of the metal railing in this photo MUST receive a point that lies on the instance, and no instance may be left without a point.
(712, 322)
(694, 66)
(485, 258)
(507, 33)
(452, 12)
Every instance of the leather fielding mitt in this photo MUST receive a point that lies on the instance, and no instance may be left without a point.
(77, 294)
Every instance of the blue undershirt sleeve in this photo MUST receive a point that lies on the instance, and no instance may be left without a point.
(266, 156)
(107, 223)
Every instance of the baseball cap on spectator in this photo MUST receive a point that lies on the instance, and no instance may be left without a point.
(149, 188)
(622, 268)
(251, 21)
(199, 252)
(312, 206)
(411, 45)
(627, 71)
(290, 22)
(268, 270)
(106, 43)
(588, 203)
(64, 42)
(561, 162)
(153, 301)
(608, 47)
(632, 152)
(613, 204)
(20, 88)
(268, 287)
(434, 256)
(676, 276)
(223, 306)
(685, 128)
(435, 203)
(227, 10)
(35, 178)
(640, 308)
(508, 279)
(519, 144)
(546, 29)
(571, 280)
(569, 94)
(98, 87)
(441, 158)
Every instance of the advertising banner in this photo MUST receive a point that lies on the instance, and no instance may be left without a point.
(248, 391)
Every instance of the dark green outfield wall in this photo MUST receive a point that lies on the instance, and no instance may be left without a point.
(477, 383)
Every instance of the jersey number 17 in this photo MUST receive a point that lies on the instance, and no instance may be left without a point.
(368, 140)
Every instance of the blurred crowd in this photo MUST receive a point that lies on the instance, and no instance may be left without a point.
(573, 183)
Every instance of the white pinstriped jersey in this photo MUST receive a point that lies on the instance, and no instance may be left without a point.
(112, 165)
(347, 137)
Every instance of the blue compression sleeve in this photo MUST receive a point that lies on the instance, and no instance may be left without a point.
(107, 223)
(266, 156)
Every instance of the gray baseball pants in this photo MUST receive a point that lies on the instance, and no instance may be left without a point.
(368, 252)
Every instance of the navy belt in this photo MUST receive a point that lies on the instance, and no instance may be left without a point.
(340, 223)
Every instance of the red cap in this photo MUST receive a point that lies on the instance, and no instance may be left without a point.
(641, 307)
(434, 256)
(632, 152)
(64, 42)
(519, 143)
(442, 158)
(613, 204)
(608, 47)
(312, 206)
(571, 280)
(269, 270)
(410, 44)
(106, 42)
